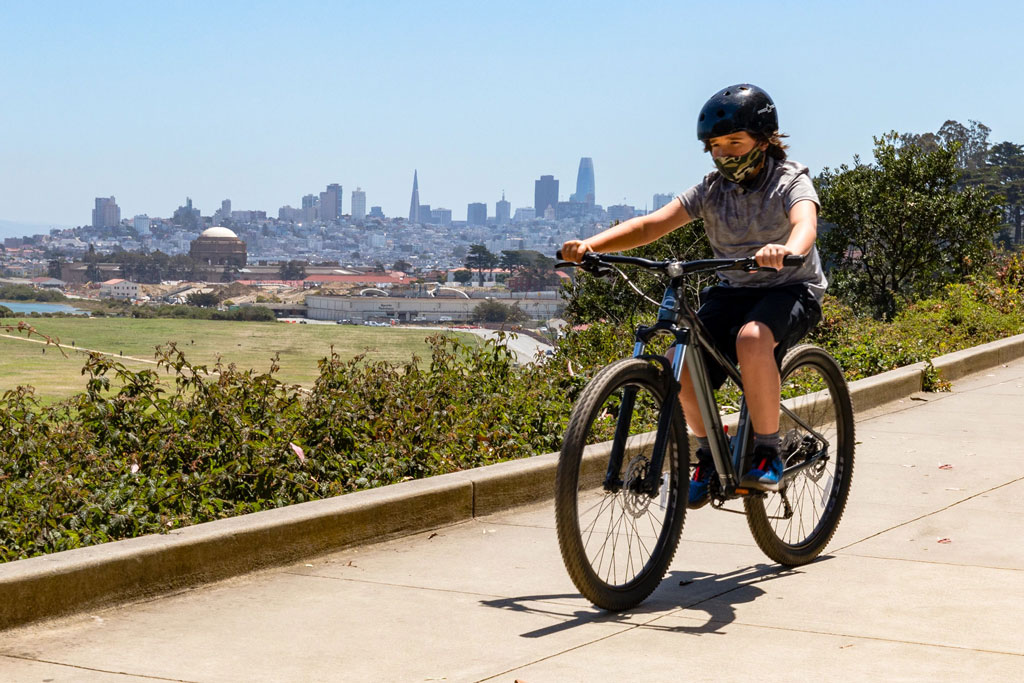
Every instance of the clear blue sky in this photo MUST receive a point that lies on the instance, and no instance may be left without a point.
(262, 102)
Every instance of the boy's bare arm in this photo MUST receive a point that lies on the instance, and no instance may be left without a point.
(803, 217)
(632, 233)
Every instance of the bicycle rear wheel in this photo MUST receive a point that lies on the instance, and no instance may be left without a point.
(617, 544)
(795, 524)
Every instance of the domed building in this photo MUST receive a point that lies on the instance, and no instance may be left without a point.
(218, 246)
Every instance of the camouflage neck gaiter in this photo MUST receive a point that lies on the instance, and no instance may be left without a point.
(741, 168)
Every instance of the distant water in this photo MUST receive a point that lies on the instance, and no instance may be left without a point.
(34, 307)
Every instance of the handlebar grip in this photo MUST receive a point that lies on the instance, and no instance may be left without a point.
(793, 260)
(558, 255)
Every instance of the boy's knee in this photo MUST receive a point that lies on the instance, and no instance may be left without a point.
(755, 337)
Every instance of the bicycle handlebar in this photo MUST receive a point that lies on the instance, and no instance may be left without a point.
(592, 262)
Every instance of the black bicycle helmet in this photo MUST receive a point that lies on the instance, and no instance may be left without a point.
(738, 107)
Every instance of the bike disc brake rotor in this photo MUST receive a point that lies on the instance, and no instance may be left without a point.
(634, 500)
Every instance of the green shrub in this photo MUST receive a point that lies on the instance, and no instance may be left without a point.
(29, 293)
(126, 457)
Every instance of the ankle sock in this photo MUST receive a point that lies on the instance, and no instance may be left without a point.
(769, 440)
(702, 442)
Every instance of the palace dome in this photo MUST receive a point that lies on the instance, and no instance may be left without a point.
(218, 246)
(219, 231)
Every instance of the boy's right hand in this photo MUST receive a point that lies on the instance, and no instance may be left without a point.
(573, 250)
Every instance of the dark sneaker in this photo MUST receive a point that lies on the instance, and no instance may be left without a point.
(700, 482)
(765, 473)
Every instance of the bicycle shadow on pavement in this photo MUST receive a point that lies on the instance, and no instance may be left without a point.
(680, 594)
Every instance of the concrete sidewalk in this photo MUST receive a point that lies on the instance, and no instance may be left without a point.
(923, 581)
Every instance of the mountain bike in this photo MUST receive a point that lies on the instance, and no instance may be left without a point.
(623, 471)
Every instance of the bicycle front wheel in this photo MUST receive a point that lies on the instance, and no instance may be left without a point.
(793, 525)
(617, 540)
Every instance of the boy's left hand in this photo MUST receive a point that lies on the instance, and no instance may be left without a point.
(771, 255)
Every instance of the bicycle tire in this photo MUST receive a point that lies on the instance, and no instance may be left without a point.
(599, 570)
(794, 525)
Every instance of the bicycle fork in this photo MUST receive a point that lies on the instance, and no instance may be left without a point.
(652, 480)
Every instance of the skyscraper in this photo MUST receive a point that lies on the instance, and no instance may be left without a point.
(141, 223)
(330, 203)
(358, 204)
(503, 210)
(310, 205)
(661, 200)
(222, 215)
(476, 214)
(584, 183)
(441, 216)
(414, 203)
(545, 194)
(107, 213)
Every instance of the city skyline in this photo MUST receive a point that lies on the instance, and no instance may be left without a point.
(227, 99)
(328, 204)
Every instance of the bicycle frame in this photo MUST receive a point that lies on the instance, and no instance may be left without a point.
(692, 342)
(678, 320)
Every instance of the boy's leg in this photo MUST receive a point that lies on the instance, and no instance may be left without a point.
(691, 411)
(755, 348)
(779, 320)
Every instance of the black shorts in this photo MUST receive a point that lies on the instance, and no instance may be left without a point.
(790, 312)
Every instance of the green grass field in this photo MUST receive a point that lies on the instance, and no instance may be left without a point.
(248, 345)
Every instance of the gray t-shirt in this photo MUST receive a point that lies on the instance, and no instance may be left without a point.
(739, 222)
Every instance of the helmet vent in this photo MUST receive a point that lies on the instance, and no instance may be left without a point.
(720, 113)
(727, 93)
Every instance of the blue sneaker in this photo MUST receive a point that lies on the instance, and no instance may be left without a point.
(700, 482)
(765, 473)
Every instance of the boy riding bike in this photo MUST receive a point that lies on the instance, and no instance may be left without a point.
(756, 203)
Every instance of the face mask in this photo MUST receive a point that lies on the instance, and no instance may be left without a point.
(745, 167)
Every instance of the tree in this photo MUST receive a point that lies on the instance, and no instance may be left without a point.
(202, 299)
(293, 270)
(403, 266)
(902, 227)
(462, 276)
(480, 259)
(181, 267)
(1005, 176)
(497, 312)
(512, 260)
(93, 273)
(971, 144)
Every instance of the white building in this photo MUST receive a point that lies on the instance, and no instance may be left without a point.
(524, 214)
(119, 289)
(358, 204)
(141, 224)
